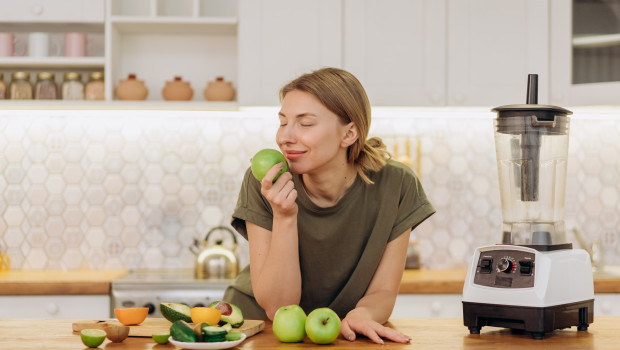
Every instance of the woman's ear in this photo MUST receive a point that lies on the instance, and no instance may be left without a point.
(350, 136)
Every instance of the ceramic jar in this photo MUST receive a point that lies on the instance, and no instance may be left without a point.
(177, 90)
(219, 90)
(131, 89)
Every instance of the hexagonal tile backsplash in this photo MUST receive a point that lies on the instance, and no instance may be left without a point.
(134, 189)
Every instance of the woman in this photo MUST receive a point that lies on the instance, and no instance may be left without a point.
(334, 231)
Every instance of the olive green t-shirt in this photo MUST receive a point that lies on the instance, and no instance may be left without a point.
(339, 247)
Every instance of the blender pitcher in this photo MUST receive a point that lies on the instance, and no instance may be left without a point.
(531, 142)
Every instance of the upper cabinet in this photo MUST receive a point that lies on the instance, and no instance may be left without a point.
(405, 52)
(281, 39)
(397, 49)
(585, 52)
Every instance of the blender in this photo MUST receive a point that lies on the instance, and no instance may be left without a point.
(534, 281)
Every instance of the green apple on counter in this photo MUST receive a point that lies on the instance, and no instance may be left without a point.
(264, 160)
(323, 326)
(289, 324)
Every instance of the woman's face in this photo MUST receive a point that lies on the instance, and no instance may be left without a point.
(311, 137)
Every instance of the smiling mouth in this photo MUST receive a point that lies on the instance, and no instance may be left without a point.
(292, 155)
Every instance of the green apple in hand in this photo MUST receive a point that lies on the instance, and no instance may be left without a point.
(323, 326)
(289, 324)
(264, 160)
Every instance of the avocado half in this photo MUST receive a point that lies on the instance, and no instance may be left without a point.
(231, 313)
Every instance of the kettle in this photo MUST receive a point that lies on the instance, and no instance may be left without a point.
(216, 262)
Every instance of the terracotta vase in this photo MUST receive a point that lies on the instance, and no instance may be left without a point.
(131, 89)
(177, 90)
(219, 90)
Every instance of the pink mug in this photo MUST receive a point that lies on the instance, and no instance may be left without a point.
(7, 45)
(75, 44)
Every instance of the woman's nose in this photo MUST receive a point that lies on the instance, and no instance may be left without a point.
(285, 134)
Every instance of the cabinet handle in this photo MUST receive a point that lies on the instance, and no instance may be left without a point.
(436, 307)
(36, 10)
(52, 308)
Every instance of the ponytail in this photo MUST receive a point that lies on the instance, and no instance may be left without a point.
(372, 157)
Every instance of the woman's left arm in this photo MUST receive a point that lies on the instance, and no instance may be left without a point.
(374, 309)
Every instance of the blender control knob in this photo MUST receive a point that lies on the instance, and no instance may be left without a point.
(505, 265)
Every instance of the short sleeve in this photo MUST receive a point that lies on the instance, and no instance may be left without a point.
(251, 206)
(413, 206)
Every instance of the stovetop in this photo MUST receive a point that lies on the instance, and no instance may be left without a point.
(167, 279)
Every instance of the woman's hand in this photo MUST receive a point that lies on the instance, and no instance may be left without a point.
(280, 194)
(355, 323)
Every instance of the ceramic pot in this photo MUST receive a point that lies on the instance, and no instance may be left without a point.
(219, 90)
(177, 90)
(131, 89)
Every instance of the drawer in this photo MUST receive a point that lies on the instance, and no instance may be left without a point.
(55, 306)
(84, 11)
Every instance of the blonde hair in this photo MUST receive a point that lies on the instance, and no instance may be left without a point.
(344, 95)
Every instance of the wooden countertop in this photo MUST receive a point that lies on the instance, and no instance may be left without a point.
(425, 334)
(42, 282)
(451, 281)
(37, 282)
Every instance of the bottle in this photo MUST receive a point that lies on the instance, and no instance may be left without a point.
(177, 90)
(45, 87)
(2, 87)
(219, 90)
(95, 90)
(131, 89)
(20, 87)
(72, 87)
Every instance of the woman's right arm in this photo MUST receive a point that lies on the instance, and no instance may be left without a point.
(274, 255)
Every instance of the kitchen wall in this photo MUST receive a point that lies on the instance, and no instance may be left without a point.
(133, 189)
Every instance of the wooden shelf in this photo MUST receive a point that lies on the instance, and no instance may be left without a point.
(117, 105)
(175, 25)
(52, 62)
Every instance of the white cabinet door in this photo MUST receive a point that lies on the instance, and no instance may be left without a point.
(428, 306)
(492, 46)
(397, 50)
(564, 91)
(281, 39)
(55, 306)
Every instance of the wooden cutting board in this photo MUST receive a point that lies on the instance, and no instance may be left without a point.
(157, 325)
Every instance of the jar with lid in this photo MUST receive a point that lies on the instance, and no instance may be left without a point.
(20, 87)
(94, 90)
(2, 87)
(72, 87)
(45, 87)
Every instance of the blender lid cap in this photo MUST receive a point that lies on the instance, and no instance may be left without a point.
(532, 108)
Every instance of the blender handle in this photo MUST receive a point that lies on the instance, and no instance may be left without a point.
(543, 123)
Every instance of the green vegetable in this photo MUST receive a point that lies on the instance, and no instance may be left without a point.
(181, 331)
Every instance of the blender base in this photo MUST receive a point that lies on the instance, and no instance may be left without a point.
(535, 320)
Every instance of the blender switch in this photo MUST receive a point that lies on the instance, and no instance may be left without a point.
(485, 265)
(525, 267)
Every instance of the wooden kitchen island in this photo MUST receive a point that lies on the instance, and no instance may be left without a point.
(604, 333)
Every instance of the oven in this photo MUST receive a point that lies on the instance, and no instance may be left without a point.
(148, 288)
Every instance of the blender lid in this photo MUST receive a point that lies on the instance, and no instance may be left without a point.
(532, 108)
(531, 104)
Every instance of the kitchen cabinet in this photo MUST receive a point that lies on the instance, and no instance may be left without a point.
(585, 52)
(446, 52)
(154, 39)
(55, 306)
(282, 39)
(428, 306)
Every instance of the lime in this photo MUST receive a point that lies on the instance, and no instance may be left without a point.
(161, 338)
(92, 337)
(264, 160)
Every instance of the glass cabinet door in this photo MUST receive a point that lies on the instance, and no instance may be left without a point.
(596, 41)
